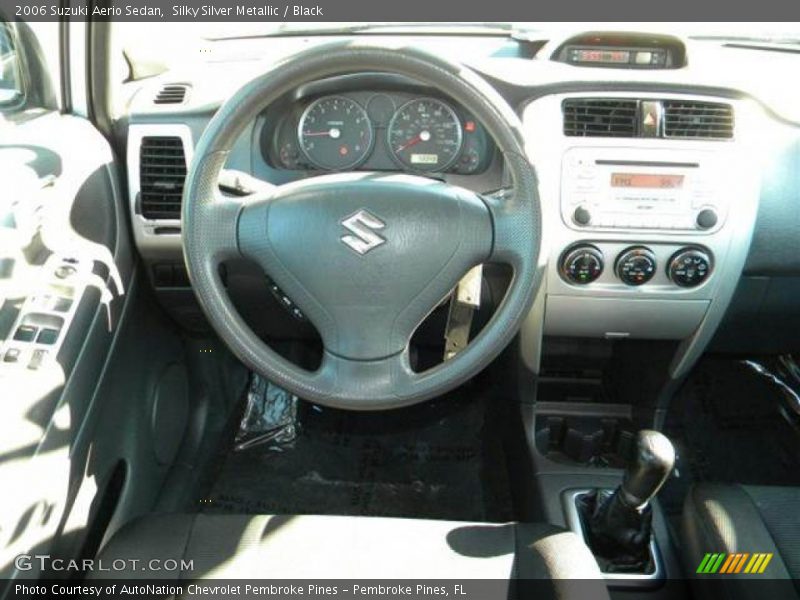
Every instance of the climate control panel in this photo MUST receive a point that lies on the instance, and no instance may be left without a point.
(637, 265)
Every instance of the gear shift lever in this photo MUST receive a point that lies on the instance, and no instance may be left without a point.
(652, 464)
(619, 524)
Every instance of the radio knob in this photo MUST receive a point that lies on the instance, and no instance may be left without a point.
(706, 218)
(582, 216)
(636, 265)
(689, 267)
(582, 264)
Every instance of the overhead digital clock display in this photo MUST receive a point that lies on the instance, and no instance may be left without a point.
(602, 56)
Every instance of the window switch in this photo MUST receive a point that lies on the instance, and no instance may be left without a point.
(12, 355)
(25, 333)
(37, 358)
(62, 304)
(47, 336)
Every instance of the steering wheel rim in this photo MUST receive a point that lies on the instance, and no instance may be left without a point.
(218, 228)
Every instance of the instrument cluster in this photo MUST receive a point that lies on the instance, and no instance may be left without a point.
(377, 131)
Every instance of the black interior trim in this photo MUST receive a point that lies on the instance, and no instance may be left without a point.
(64, 65)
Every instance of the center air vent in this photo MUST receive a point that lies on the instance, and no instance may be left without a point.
(171, 94)
(598, 117)
(649, 118)
(693, 119)
(162, 172)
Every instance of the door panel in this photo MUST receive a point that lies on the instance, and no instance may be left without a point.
(65, 264)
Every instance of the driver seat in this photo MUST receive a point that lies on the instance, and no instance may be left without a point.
(335, 547)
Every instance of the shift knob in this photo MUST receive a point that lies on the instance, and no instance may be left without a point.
(651, 465)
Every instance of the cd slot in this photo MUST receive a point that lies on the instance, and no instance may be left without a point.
(647, 163)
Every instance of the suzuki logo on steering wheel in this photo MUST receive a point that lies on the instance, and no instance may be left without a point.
(362, 225)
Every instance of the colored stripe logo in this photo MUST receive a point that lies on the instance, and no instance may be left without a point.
(730, 564)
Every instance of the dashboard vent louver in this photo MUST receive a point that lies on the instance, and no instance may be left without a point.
(600, 117)
(162, 173)
(693, 119)
(171, 94)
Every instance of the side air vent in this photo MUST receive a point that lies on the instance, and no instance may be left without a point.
(599, 117)
(692, 119)
(162, 172)
(171, 94)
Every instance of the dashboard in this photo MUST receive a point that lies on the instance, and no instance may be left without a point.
(375, 130)
(651, 175)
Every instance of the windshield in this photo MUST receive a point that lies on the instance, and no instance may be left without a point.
(211, 31)
(192, 43)
(179, 42)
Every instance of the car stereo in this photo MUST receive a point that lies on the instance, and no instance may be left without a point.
(613, 188)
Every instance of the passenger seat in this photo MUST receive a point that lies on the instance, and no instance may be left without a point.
(556, 562)
(737, 519)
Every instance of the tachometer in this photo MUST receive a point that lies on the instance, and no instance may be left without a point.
(425, 135)
(335, 133)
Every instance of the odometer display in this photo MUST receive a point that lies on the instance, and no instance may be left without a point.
(425, 135)
(335, 133)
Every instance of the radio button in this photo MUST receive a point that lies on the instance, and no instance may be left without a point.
(582, 216)
(584, 187)
(706, 218)
(701, 197)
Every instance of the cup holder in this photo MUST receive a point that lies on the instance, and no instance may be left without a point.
(590, 441)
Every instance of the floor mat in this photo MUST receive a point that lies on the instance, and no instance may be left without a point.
(440, 460)
(727, 427)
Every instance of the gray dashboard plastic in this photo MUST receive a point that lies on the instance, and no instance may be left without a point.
(775, 248)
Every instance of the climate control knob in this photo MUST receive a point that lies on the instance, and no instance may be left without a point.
(636, 265)
(582, 264)
(689, 267)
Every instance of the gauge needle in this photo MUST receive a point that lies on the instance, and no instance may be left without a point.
(332, 132)
(422, 136)
(415, 140)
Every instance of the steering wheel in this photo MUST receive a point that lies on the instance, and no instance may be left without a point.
(366, 257)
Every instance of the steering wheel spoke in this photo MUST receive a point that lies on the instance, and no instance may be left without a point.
(516, 222)
(367, 385)
(222, 239)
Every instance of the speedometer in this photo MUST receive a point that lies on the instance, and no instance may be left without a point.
(335, 133)
(425, 135)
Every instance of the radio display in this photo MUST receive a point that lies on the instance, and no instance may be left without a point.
(646, 180)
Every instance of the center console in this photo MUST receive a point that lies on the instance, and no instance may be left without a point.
(649, 203)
